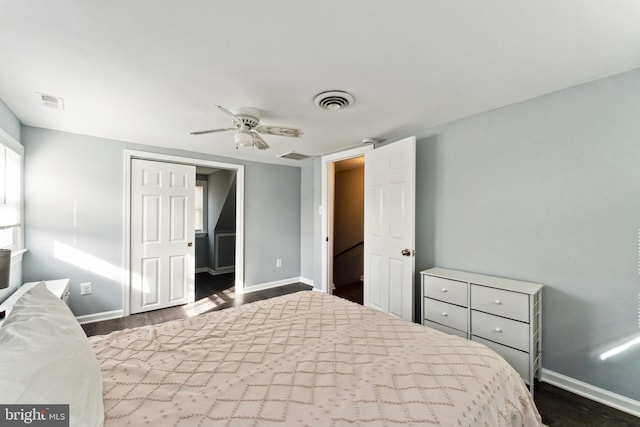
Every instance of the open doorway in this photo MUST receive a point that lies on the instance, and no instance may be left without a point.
(389, 235)
(215, 243)
(328, 171)
(348, 229)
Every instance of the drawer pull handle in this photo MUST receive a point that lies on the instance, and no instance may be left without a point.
(445, 314)
(497, 302)
(444, 290)
(499, 330)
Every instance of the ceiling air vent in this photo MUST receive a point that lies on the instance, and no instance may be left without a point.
(51, 101)
(334, 100)
(294, 156)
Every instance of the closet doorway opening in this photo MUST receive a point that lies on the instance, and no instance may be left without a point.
(215, 242)
(228, 261)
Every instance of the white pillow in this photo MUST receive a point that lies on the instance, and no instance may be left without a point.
(46, 358)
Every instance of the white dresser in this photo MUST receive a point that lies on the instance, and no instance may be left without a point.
(503, 314)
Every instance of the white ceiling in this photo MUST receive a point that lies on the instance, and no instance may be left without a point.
(151, 71)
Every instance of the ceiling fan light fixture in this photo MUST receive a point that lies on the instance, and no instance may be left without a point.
(247, 125)
(244, 139)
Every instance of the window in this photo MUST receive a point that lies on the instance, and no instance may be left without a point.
(10, 194)
(201, 207)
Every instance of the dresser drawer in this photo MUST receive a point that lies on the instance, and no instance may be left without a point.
(504, 331)
(446, 314)
(519, 360)
(509, 304)
(445, 329)
(445, 290)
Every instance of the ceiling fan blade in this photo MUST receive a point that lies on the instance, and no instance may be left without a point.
(202, 132)
(258, 142)
(280, 131)
(236, 120)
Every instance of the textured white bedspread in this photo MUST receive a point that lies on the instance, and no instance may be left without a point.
(305, 359)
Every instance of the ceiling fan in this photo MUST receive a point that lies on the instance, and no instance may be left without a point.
(247, 125)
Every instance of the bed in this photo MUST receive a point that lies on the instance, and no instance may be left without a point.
(304, 359)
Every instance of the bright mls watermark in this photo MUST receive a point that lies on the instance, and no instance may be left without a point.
(34, 415)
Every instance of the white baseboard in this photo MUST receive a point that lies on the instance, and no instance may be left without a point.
(96, 317)
(215, 272)
(589, 391)
(275, 284)
(306, 281)
(218, 272)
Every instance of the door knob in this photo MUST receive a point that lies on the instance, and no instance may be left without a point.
(406, 252)
(190, 244)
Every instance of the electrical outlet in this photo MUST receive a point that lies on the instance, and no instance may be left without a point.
(85, 288)
(279, 262)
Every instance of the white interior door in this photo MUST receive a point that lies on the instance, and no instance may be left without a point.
(162, 235)
(389, 228)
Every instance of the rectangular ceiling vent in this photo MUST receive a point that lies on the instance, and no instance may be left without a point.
(294, 156)
(51, 101)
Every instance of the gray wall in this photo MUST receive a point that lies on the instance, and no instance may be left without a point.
(348, 226)
(548, 191)
(308, 213)
(219, 189)
(202, 243)
(74, 211)
(227, 218)
(272, 220)
(218, 186)
(313, 205)
(202, 251)
(9, 122)
(348, 209)
(221, 214)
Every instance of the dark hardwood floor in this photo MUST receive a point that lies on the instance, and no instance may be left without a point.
(558, 408)
(212, 293)
(351, 291)
(208, 284)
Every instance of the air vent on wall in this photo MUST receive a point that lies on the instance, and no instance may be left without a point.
(294, 156)
(334, 100)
